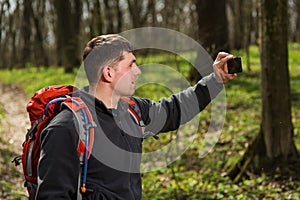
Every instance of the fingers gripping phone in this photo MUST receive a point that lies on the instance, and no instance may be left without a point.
(234, 65)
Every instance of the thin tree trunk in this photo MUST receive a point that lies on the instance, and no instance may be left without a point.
(2, 4)
(67, 31)
(41, 57)
(297, 34)
(168, 12)
(12, 32)
(77, 15)
(135, 8)
(96, 19)
(26, 33)
(99, 22)
(238, 25)
(247, 10)
(109, 16)
(152, 12)
(2, 56)
(119, 16)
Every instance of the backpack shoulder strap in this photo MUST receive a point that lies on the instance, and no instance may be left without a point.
(134, 111)
(85, 127)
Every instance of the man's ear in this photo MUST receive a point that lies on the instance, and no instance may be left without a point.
(107, 73)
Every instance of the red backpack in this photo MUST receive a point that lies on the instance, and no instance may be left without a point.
(43, 106)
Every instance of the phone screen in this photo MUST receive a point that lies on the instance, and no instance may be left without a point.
(234, 65)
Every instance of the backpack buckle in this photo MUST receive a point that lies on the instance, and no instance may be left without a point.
(92, 124)
(17, 160)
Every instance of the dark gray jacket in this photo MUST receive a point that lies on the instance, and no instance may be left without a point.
(114, 166)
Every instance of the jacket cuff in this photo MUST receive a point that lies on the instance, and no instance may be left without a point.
(213, 86)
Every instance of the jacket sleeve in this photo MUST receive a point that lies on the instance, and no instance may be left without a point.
(59, 164)
(169, 113)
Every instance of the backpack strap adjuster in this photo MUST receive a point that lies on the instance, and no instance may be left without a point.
(89, 125)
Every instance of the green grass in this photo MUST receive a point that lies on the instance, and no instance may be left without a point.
(32, 78)
(192, 177)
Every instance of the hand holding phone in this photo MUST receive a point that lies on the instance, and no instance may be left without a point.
(234, 65)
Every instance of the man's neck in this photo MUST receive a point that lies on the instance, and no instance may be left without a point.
(105, 94)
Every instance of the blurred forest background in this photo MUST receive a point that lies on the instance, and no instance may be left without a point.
(53, 32)
(257, 156)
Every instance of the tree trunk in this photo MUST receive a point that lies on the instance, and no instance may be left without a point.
(213, 32)
(26, 33)
(67, 30)
(109, 16)
(12, 39)
(137, 13)
(237, 7)
(247, 9)
(119, 17)
(168, 13)
(297, 34)
(2, 55)
(41, 57)
(96, 19)
(276, 98)
(2, 4)
(274, 148)
(152, 12)
(74, 53)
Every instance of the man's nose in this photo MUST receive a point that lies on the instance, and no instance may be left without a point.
(137, 70)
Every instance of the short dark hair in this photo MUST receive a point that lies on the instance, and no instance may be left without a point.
(101, 51)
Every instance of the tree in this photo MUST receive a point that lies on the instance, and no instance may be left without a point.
(277, 127)
(237, 8)
(26, 33)
(95, 19)
(141, 12)
(274, 147)
(212, 30)
(3, 42)
(41, 57)
(2, 6)
(297, 31)
(67, 32)
(241, 22)
(119, 16)
(109, 16)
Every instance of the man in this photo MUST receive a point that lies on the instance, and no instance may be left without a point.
(113, 168)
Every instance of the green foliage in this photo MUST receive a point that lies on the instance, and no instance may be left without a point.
(191, 176)
(9, 191)
(9, 175)
(294, 64)
(1, 112)
(32, 78)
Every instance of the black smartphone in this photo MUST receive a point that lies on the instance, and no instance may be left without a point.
(234, 65)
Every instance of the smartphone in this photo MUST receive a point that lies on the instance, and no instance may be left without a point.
(234, 65)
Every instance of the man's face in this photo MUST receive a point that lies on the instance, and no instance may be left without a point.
(126, 73)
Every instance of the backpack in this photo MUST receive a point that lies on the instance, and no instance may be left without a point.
(43, 106)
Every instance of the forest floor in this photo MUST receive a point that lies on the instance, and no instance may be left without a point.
(14, 123)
